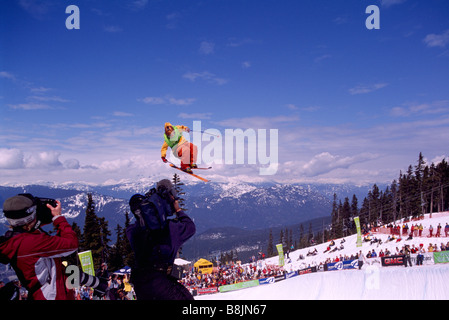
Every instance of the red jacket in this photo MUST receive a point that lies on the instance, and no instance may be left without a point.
(36, 258)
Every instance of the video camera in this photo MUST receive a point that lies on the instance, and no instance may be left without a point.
(43, 213)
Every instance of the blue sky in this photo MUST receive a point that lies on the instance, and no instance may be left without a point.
(350, 104)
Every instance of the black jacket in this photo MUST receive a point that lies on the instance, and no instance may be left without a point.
(154, 249)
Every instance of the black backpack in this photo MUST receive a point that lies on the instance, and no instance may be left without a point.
(154, 209)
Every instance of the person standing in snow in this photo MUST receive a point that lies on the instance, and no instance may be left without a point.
(420, 229)
(361, 259)
(407, 258)
(181, 148)
(438, 234)
(420, 257)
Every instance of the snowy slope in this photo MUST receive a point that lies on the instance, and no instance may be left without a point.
(372, 282)
(425, 282)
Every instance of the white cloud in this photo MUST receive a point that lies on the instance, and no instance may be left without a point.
(436, 160)
(367, 88)
(196, 116)
(71, 164)
(168, 100)
(172, 20)
(325, 162)
(246, 64)
(389, 3)
(30, 106)
(153, 100)
(37, 8)
(112, 29)
(138, 4)
(122, 114)
(207, 47)
(437, 40)
(45, 159)
(46, 99)
(180, 102)
(257, 122)
(39, 90)
(435, 107)
(7, 75)
(11, 159)
(205, 76)
(322, 57)
(234, 42)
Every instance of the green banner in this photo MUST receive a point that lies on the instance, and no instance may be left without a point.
(441, 257)
(281, 254)
(359, 233)
(238, 286)
(87, 263)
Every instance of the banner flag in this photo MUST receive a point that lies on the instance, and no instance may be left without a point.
(281, 254)
(359, 233)
(441, 257)
(238, 286)
(87, 262)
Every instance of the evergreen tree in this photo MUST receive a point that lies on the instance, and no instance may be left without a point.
(78, 232)
(345, 217)
(128, 254)
(422, 188)
(310, 234)
(105, 239)
(354, 212)
(281, 238)
(374, 204)
(394, 201)
(337, 222)
(73, 258)
(270, 248)
(302, 237)
(178, 187)
(364, 212)
(116, 259)
(94, 233)
(419, 176)
(335, 217)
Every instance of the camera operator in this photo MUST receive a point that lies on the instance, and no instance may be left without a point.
(155, 250)
(34, 254)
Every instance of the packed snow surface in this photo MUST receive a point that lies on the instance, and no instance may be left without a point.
(373, 282)
(389, 283)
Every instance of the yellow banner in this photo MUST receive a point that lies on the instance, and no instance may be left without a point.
(87, 262)
(359, 233)
(281, 254)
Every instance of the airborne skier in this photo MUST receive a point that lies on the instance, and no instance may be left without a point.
(181, 148)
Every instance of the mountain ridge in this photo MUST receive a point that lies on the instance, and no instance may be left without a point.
(246, 206)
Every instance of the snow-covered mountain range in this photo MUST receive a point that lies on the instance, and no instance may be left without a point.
(244, 206)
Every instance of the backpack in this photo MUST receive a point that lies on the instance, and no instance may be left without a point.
(154, 209)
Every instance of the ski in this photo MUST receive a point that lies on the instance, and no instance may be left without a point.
(202, 168)
(192, 174)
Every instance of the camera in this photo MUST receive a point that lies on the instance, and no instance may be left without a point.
(43, 213)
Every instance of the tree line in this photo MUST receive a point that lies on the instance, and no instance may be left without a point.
(423, 188)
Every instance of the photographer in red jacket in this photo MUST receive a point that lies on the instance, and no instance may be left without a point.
(34, 254)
